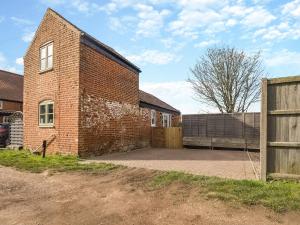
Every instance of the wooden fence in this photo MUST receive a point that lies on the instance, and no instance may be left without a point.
(170, 137)
(280, 127)
(230, 130)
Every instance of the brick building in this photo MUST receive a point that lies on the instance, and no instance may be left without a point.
(11, 94)
(82, 96)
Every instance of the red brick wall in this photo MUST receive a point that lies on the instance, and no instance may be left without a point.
(60, 85)
(111, 119)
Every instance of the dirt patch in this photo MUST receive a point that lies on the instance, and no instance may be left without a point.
(119, 197)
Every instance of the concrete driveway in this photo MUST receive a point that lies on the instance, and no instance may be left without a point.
(221, 163)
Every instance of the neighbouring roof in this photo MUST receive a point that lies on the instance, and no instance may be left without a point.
(154, 101)
(93, 42)
(11, 86)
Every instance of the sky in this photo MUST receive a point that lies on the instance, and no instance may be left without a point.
(166, 38)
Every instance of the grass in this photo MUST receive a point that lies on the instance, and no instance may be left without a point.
(24, 160)
(281, 196)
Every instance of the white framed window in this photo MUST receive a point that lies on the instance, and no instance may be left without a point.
(166, 120)
(46, 114)
(153, 118)
(1, 104)
(46, 56)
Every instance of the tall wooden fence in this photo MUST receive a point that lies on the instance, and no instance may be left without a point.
(280, 127)
(170, 137)
(222, 130)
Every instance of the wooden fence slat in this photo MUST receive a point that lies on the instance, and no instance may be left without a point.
(263, 130)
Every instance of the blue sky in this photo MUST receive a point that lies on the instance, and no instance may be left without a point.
(165, 38)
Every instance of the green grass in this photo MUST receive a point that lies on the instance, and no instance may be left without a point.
(280, 196)
(24, 160)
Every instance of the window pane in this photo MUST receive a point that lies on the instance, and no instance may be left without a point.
(50, 50)
(50, 108)
(42, 109)
(49, 62)
(42, 119)
(43, 64)
(50, 118)
(43, 53)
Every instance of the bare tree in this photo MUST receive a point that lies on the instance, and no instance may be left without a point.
(228, 79)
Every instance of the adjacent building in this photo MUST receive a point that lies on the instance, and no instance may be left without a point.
(11, 94)
(83, 97)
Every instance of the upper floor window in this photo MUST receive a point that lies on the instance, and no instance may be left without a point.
(153, 118)
(46, 113)
(1, 104)
(46, 57)
(166, 120)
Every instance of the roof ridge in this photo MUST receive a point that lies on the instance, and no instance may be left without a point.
(84, 33)
(12, 73)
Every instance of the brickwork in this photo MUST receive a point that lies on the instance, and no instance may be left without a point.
(60, 85)
(109, 105)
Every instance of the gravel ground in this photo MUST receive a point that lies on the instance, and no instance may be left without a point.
(221, 163)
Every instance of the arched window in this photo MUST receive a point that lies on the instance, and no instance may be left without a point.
(46, 114)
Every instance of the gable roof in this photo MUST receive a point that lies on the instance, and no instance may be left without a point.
(11, 86)
(150, 99)
(97, 45)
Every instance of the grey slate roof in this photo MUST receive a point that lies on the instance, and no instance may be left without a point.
(152, 100)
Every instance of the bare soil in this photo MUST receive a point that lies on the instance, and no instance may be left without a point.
(118, 197)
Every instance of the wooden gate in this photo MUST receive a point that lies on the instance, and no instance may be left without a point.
(170, 137)
(16, 129)
(280, 127)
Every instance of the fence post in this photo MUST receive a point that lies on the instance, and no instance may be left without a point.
(263, 129)
(44, 148)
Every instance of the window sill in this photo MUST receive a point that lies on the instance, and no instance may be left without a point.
(45, 71)
(47, 126)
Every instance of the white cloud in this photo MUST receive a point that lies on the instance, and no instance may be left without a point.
(189, 22)
(1, 19)
(20, 61)
(21, 21)
(5, 66)
(292, 8)
(53, 2)
(283, 58)
(153, 57)
(258, 17)
(82, 6)
(173, 44)
(279, 32)
(204, 44)
(231, 22)
(178, 94)
(150, 20)
(27, 37)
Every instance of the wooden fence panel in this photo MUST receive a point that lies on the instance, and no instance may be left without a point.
(280, 127)
(217, 130)
(170, 137)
